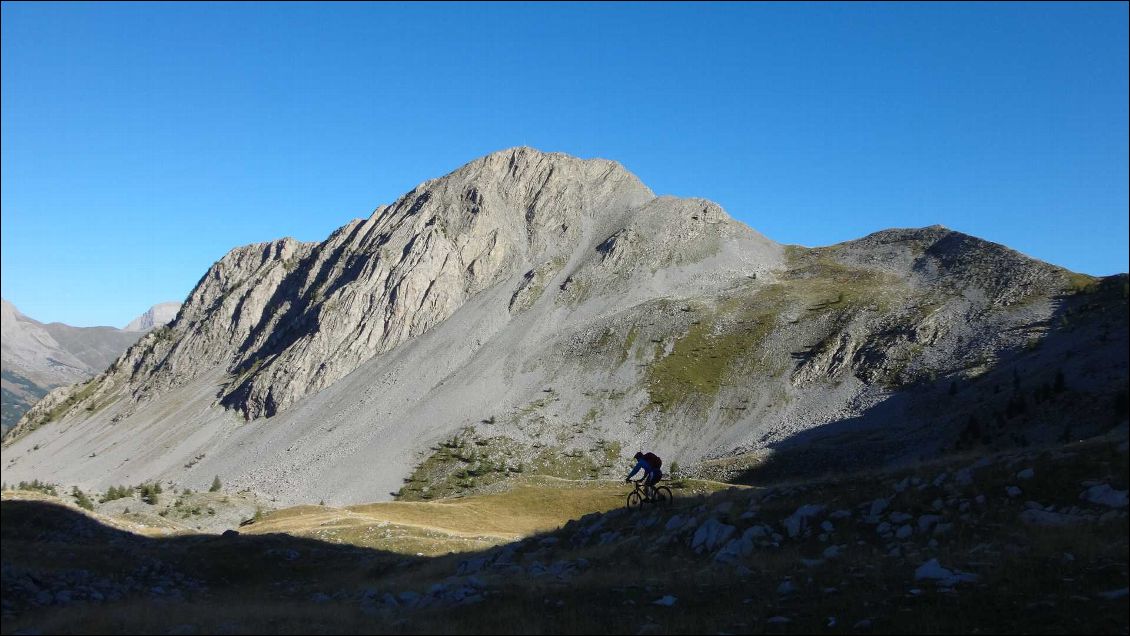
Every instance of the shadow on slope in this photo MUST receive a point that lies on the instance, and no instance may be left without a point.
(1045, 391)
(807, 557)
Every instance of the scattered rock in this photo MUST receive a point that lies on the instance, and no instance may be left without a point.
(1104, 495)
(932, 570)
(711, 535)
(927, 522)
(878, 506)
(797, 522)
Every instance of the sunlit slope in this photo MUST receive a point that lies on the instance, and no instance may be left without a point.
(534, 504)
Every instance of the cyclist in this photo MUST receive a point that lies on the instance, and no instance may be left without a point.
(650, 463)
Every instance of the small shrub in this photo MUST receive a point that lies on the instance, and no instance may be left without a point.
(149, 493)
(39, 486)
(216, 485)
(116, 492)
(81, 499)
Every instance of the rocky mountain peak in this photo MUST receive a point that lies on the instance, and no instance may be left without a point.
(156, 316)
(286, 318)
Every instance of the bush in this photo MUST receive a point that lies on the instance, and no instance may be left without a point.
(216, 485)
(149, 493)
(81, 499)
(39, 486)
(116, 492)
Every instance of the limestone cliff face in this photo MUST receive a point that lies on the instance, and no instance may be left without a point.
(156, 316)
(285, 319)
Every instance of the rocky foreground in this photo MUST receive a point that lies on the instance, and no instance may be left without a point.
(1030, 540)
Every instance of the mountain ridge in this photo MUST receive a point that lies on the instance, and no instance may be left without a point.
(38, 357)
(555, 303)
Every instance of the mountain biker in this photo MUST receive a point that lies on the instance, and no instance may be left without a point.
(650, 463)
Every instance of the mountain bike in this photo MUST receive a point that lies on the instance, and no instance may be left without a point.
(659, 495)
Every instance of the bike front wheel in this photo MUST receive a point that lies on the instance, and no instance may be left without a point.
(663, 496)
(634, 500)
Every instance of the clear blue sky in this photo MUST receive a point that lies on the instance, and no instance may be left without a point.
(143, 141)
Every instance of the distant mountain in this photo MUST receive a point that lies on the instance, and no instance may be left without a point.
(38, 357)
(538, 313)
(158, 315)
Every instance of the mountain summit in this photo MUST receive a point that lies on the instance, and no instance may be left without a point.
(551, 307)
(156, 316)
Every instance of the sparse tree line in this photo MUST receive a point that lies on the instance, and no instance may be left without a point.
(149, 492)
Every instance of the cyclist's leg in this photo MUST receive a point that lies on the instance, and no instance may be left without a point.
(652, 478)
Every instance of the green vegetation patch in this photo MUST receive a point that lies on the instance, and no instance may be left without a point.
(60, 409)
(728, 338)
(34, 485)
(701, 358)
(468, 462)
(1081, 283)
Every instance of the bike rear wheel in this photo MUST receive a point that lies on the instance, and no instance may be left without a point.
(634, 500)
(663, 496)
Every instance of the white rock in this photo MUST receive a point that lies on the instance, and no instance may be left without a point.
(797, 522)
(711, 535)
(878, 506)
(932, 570)
(1104, 495)
(926, 522)
(1036, 517)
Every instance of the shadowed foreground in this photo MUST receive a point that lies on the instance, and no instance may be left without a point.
(1030, 541)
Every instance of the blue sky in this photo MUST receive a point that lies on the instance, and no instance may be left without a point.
(141, 142)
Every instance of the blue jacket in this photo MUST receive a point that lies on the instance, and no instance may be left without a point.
(648, 471)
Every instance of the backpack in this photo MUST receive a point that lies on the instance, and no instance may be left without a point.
(654, 460)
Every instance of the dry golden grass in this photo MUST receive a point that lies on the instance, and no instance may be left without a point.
(1032, 579)
(529, 506)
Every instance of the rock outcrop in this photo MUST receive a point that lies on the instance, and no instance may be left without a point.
(156, 316)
